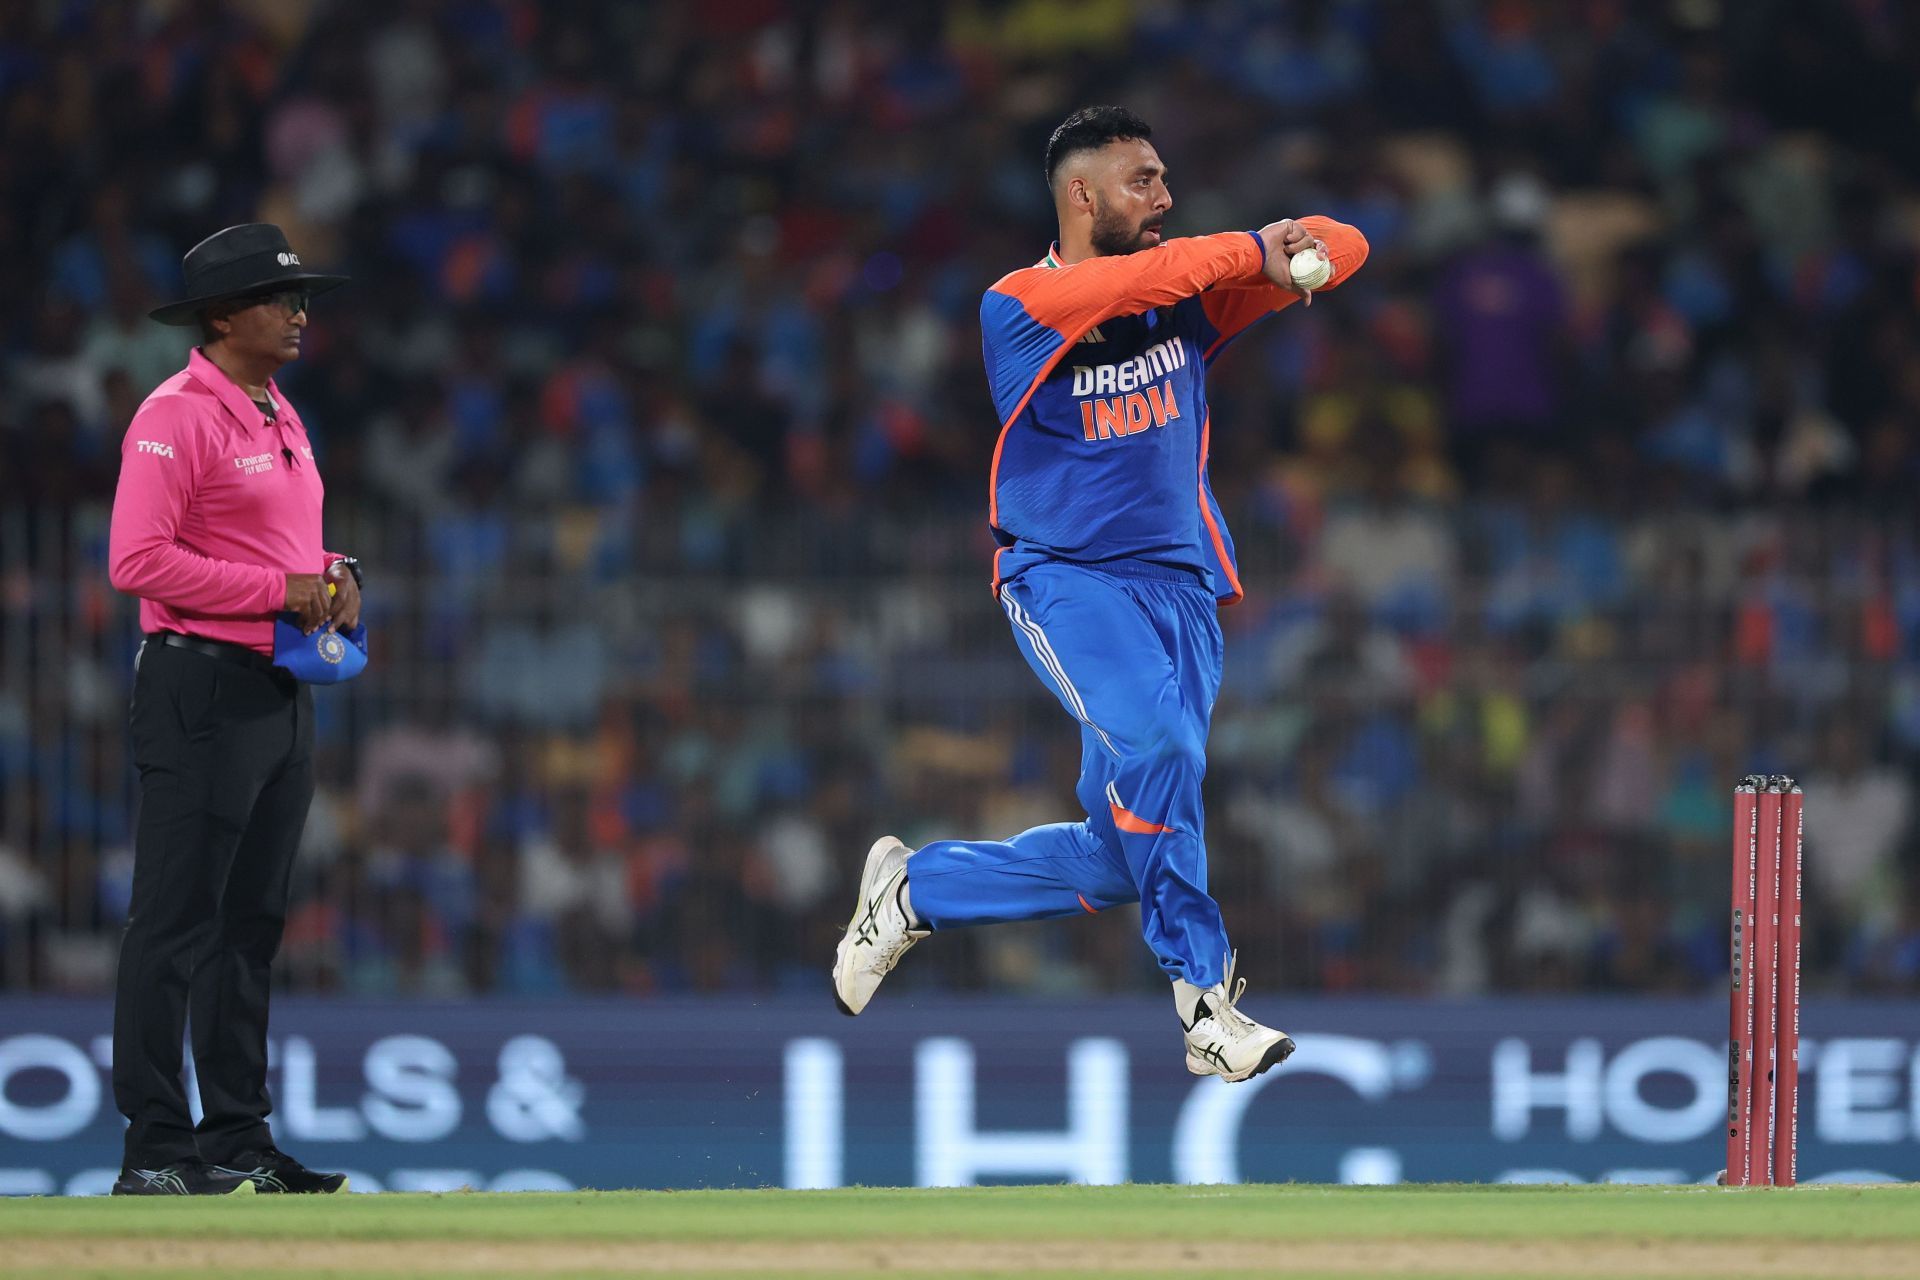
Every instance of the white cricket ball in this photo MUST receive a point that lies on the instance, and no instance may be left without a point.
(1309, 268)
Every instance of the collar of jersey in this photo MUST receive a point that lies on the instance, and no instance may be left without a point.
(228, 392)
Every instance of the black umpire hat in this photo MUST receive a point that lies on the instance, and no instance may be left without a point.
(249, 258)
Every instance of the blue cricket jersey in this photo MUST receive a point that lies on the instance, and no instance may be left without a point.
(1098, 371)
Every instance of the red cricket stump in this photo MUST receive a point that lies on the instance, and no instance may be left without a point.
(1763, 1021)
(1746, 871)
(1766, 981)
(1786, 1141)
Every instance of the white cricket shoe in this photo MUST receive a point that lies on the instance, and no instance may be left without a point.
(1221, 1040)
(882, 929)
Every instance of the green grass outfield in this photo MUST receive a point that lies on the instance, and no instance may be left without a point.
(1700, 1233)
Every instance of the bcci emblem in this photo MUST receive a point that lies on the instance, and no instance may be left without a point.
(333, 649)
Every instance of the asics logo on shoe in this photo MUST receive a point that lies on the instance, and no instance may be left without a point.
(261, 1178)
(162, 1179)
(869, 927)
(1212, 1054)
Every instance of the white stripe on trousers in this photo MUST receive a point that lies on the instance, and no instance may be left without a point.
(1043, 648)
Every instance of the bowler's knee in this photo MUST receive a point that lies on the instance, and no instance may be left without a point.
(1172, 749)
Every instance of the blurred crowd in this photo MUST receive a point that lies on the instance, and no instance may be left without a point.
(655, 411)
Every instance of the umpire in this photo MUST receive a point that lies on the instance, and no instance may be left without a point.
(216, 528)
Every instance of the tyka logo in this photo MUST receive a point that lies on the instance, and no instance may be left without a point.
(155, 447)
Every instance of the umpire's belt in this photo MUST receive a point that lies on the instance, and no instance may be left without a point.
(238, 654)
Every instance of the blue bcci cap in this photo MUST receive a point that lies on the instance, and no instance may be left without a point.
(325, 657)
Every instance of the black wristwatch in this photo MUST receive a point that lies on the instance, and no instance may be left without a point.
(353, 567)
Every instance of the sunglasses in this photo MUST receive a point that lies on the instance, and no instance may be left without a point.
(291, 301)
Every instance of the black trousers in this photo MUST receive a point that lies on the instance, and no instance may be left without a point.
(225, 756)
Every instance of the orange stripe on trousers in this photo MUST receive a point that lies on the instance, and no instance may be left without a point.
(1133, 824)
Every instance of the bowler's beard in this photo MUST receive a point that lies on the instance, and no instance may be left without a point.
(1114, 236)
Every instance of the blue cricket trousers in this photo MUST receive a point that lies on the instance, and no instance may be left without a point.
(1137, 662)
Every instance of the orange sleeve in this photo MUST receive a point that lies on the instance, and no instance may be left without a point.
(1072, 300)
(1236, 303)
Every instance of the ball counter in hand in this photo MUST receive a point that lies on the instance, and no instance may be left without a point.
(1310, 268)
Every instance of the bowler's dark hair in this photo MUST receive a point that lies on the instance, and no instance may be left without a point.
(1090, 129)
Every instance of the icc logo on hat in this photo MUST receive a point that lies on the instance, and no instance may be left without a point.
(251, 258)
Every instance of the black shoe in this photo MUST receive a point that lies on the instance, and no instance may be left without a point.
(272, 1171)
(187, 1178)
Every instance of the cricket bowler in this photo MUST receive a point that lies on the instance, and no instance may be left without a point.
(1113, 559)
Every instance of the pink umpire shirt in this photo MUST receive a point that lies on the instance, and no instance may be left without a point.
(217, 503)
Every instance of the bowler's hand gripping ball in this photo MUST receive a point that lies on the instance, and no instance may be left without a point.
(1310, 269)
